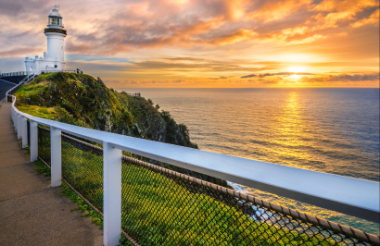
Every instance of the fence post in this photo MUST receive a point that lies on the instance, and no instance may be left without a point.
(112, 194)
(15, 120)
(19, 126)
(33, 141)
(13, 116)
(24, 130)
(56, 168)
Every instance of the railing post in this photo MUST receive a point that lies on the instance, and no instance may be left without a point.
(33, 141)
(56, 167)
(112, 194)
(24, 130)
(19, 126)
(15, 120)
(13, 116)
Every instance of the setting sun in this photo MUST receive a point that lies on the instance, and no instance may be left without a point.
(296, 69)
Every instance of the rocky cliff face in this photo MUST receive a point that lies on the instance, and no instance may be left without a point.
(82, 100)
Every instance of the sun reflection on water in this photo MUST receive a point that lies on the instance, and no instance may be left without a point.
(289, 131)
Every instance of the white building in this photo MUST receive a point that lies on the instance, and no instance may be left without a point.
(53, 59)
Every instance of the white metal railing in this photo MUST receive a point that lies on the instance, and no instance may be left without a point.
(25, 80)
(13, 74)
(343, 194)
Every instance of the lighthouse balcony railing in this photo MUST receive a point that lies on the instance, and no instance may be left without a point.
(20, 73)
(162, 198)
(53, 70)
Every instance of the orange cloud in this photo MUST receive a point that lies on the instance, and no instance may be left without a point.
(269, 34)
(344, 5)
(373, 19)
(277, 10)
(239, 36)
(19, 51)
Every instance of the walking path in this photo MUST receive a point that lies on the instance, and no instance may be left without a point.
(31, 212)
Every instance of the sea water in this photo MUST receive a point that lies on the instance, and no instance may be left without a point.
(332, 130)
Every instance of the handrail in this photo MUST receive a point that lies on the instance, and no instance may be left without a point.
(20, 73)
(25, 80)
(347, 195)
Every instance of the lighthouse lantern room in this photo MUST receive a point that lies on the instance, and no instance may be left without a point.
(53, 59)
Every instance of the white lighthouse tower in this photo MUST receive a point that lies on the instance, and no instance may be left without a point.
(53, 59)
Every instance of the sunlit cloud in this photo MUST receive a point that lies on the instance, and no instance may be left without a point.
(182, 40)
(372, 19)
(275, 74)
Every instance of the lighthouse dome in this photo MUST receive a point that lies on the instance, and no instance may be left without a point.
(55, 12)
(55, 18)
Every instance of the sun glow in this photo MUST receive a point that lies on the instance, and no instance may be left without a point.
(296, 69)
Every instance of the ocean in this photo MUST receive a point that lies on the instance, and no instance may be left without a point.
(332, 130)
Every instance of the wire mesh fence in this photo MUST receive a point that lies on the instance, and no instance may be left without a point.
(44, 144)
(82, 167)
(164, 207)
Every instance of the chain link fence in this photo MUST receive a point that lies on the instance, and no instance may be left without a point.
(163, 207)
(44, 144)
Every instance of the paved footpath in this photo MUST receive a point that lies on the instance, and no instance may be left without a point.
(31, 212)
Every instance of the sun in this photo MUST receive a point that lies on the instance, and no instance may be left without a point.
(296, 69)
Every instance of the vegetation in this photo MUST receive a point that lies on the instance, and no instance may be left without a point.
(86, 210)
(82, 100)
(161, 210)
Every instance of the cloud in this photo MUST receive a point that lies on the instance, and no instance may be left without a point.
(248, 76)
(342, 78)
(181, 39)
(122, 27)
(275, 74)
(373, 19)
(268, 11)
(15, 52)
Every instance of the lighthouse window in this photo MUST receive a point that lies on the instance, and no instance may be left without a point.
(54, 21)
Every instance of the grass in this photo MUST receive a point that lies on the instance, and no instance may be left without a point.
(38, 111)
(32, 88)
(158, 210)
(86, 210)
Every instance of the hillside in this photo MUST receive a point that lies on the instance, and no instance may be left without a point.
(82, 100)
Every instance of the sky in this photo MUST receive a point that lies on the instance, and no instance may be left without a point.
(204, 43)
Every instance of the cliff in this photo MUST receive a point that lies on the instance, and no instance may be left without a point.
(82, 100)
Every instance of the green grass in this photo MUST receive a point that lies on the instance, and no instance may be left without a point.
(38, 111)
(41, 168)
(158, 210)
(86, 210)
(31, 89)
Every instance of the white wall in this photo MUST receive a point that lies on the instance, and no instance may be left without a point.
(55, 46)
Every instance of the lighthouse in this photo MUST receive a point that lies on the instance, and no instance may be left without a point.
(53, 58)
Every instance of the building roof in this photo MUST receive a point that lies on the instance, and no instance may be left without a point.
(55, 12)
